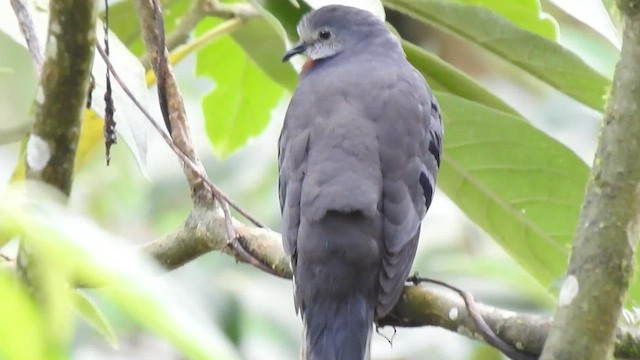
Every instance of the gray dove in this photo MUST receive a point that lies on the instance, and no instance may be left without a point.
(358, 157)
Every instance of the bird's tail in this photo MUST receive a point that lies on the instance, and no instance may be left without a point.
(337, 330)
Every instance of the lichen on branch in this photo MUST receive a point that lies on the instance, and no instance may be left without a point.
(62, 92)
(60, 102)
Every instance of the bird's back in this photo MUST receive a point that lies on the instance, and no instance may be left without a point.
(345, 157)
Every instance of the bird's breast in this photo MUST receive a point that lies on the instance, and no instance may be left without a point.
(307, 66)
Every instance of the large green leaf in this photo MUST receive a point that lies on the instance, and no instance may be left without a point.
(239, 106)
(18, 86)
(444, 77)
(517, 183)
(286, 13)
(541, 57)
(527, 14)
(264, 41)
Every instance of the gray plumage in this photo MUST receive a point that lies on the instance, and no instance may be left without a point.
(358, 157)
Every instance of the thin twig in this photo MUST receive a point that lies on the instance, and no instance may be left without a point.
(214, 188)
(487, 333)
(205, 39)
(222, 198)
(14, 134)
(6, 263)
(21, 9)
(204, 8)
(185, 26)
(162, 68)
(201, 9)
(223, 10)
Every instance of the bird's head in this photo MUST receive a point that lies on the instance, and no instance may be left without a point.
(334, 29)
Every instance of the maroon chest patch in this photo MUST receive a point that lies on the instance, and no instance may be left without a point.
(307, 66)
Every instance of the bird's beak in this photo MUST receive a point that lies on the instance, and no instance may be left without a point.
(297, 49)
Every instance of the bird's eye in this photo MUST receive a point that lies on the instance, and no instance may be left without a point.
(324, 35)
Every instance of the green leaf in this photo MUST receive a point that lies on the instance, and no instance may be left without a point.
(51, 275)
(443, 77)
(133, 284)
(594, 14)
(485, 352)
(286, 13)
(595, 50)
(17, 86)
(94, 316)
(517, 183)
(373, 6)
(22, 326)
(239, 106)
(264, 41)
(527, 14)
(540, 57)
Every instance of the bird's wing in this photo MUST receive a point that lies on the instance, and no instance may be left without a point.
(292, 152)
(410, 135)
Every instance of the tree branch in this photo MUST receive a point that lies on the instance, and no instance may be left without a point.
(14, 134)
(21, 9)
(204, 231)
(61, 95)
(60, 101)
(202, 9)
(180, 132)
(602, 258)
(198, 11)
(204, 193)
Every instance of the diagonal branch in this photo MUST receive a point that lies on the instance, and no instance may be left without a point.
(25, 21)
(203, 8)
(14, 134)
(188, 164)
(180, 132)
(200, 9)
(603, 254)
(202, 189)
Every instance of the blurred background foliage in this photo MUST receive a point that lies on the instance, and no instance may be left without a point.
(522, 85)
